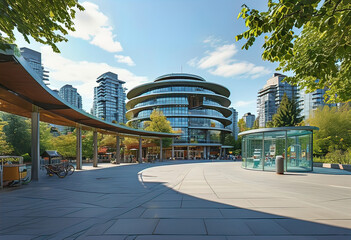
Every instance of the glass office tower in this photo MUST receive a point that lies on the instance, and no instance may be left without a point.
(194, 107)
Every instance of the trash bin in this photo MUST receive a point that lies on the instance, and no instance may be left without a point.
(279, 162)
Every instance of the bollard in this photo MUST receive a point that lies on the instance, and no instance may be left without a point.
(279, 161)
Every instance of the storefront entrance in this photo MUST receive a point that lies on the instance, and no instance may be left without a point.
(179, 154)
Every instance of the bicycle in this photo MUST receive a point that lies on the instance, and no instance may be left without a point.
(68, 167)
(57, 169)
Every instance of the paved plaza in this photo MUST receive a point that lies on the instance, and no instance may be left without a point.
(180, 200)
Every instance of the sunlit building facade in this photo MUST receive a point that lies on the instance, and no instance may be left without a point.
(196, 108)
(34, 60)
(109, 98)
(270, 96)
(71, 95)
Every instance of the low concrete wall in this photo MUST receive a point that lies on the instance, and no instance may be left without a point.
(333, 165)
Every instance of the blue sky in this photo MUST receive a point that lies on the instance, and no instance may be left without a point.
(141, 40)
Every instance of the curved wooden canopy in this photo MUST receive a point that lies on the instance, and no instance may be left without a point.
(21, 89)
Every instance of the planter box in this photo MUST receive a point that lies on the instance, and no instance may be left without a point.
(333, 165)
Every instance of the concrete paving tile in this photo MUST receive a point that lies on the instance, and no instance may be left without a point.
(90, 212)
(163, 204)
(179, 237)
(17, 237)
(302, 213)
(134, 213)
(227, 227)
(265, 227)
(44, 226)
(105, 237)
(345, 223)
(299, 227)
(277, 202)
(181, 226)
(197, 196)
(239, 195)
(133, 226)
(239, 203)
(245, 213)
(97, 229)
(8, 222)
(261, 198)
(52, 212)
(182, 213)
(167, 197)
(274, 238)
(204, 204)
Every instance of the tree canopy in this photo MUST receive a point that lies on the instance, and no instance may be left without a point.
(159, 123)
(287, 114)
(310, 38)
(334, 129)
(242, 125)
(17, 131)
(45, 21)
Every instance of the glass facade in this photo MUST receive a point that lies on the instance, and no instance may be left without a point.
(203, 120)
(109, 98)
(260, 149)
(176, 89)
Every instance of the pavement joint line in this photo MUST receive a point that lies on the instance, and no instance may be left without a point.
(158, 222)
(205, 226)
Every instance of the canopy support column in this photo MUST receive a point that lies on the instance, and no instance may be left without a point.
(95, 150)
(172, 148)
(35, 147)
(161, 149)
(118, 150)
(79, 148)
(140, 150)
(187, 152)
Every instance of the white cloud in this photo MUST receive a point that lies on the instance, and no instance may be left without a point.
(221, 62)
(244, 103)
(93, 26)
(212, 40)
(125, 59)
(221, 56)
(83, 74)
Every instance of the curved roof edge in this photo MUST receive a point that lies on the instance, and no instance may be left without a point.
(215, 87)
(277, 129)
(179, 75)
(26, 89)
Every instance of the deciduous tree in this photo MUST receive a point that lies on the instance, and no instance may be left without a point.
(334, 129)
(159, 123)
(319, 54)
(17, 131)
(242, 125)
(46, 21)
(5, 147)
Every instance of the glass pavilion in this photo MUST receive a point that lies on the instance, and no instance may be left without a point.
(261, 146)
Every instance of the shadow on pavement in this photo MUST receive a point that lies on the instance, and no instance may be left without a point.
(169, 200)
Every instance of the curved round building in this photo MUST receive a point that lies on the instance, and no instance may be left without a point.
(197, 108)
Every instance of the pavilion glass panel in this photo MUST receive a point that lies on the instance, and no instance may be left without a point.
(274, 145)
(299, 154)
(253, 147)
